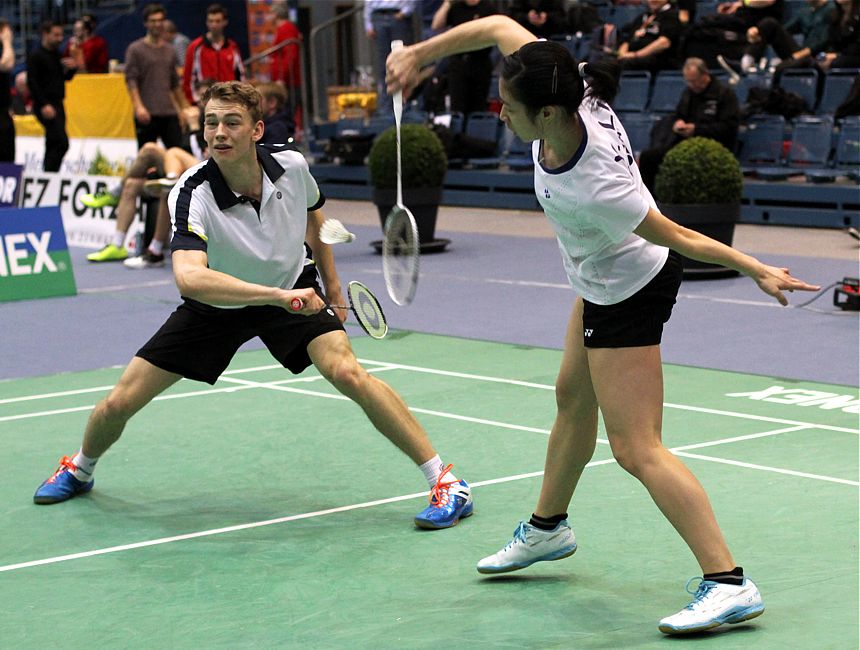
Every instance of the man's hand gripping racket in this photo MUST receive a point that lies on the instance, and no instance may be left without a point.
(362, 303)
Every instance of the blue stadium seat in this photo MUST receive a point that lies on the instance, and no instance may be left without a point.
(484, 125)
(633, 90)
(809, 149)
(668, 88)
(837, 83)
(846, 161)
(706, 8)
(638, 127)
(625, 14)
(415, 116)
(802, 81)
(748, 81)
(761, 142)
(518, 154)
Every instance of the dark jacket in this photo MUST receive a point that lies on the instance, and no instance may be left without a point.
(46, 77)
(714, 111)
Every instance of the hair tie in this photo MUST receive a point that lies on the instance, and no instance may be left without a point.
(581, 68)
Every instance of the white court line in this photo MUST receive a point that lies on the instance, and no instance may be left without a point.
(789, 472)
(260, 524)
(128, 287)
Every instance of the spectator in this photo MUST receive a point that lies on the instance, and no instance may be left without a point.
(386, 21)
(212, 55)
(469, 73)
(88, 50)
(843, 50)
(7, 124)
(750, 13)
(46, 77)
(543, 18)
(651, 41)
(286, 62)
(150, 74)
(707, 109)
(179, 41)
(277, 118)
(158, 168)
(428, 10)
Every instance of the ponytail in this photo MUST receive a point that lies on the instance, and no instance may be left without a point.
(603, 77)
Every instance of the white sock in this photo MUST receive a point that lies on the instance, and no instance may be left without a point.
(155, 247)
(747, 62)
(118, 239)
(433, 468)
(85, 466)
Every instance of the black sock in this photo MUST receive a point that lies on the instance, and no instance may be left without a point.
(547, 523)
(733, 577)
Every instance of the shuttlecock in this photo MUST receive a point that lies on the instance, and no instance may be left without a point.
(333, 232)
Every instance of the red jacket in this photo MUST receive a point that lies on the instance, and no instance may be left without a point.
(203, 61)
(286, 66)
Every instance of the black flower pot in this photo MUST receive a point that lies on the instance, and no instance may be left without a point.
(423, 203)
(717, 221)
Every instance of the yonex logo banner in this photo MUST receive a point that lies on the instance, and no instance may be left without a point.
(10, 184)
(34, 257)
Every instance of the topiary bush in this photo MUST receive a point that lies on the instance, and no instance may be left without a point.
(423, 158)
(701, 171)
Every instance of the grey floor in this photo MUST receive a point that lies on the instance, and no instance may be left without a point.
(500, 280)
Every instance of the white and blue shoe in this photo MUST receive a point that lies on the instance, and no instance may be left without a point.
(531, 545)
(450, 501)
(715, 603)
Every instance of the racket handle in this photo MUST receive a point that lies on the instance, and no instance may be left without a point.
(296, 304)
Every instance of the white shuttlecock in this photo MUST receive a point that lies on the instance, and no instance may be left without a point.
(334, 232)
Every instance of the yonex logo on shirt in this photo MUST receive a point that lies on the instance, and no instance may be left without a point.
(546, 193)
(588, 333)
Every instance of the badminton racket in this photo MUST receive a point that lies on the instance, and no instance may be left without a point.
(368, 312)
(400, 245)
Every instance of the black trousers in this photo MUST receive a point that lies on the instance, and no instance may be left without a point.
(7, 136)
(165, 127)
(56, 139)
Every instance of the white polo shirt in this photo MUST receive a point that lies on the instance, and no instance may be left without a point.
(594, 203)
(266, 248)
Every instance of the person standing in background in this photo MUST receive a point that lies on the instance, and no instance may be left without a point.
(46, 76)
(386, 21)
(153, 84)
(287, 62)
(88, 50)
(7, 124)
(179, 41)
(212, 55)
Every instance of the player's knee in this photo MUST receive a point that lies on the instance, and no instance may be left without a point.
(346, 375)
(116, 407)
(633, 459)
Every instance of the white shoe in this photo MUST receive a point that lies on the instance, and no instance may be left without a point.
(531, 545)
(155, 187)
(715, 603)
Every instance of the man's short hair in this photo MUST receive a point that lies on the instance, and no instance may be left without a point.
(697, 64)
(47, 25)
(271, 90)
(216, 8)
(237, 92)
(153, 8)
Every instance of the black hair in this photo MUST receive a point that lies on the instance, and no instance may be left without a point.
(543, 73)
(47, 25)
(153, 8)
(217, 8)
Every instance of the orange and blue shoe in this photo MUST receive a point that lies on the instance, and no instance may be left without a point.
(62, 485)
(450, 501)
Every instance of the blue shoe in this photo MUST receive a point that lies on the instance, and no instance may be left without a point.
(450, 501)
(62, 485)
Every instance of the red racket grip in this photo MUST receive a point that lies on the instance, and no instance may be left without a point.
(296, 304)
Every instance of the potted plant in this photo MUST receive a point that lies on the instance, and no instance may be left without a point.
(423, 163)
(699, 185)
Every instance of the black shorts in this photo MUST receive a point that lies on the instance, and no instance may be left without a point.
(637, 320)
(198, 341)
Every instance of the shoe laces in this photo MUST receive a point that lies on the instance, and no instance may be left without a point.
(65, 464)
(702, 591)
(519, 536)
(439, 496)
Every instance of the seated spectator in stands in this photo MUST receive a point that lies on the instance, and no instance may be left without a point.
(812, 23)
(749, 13)
(155, 170)
(22, 102)
(286, 62)
(686, 10)
(180, 43)
(543, 18)
(851, 104)
(88, 50)
(7, 124)
(468, 73)
(706, 109)
(843, 49)
(651, 41)
(212, 55)
(582, 18)
(277, 120)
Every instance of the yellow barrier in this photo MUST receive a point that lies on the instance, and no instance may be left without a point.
(97, 106)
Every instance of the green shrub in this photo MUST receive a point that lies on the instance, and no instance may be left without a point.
(423, 158)
(699, 170)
